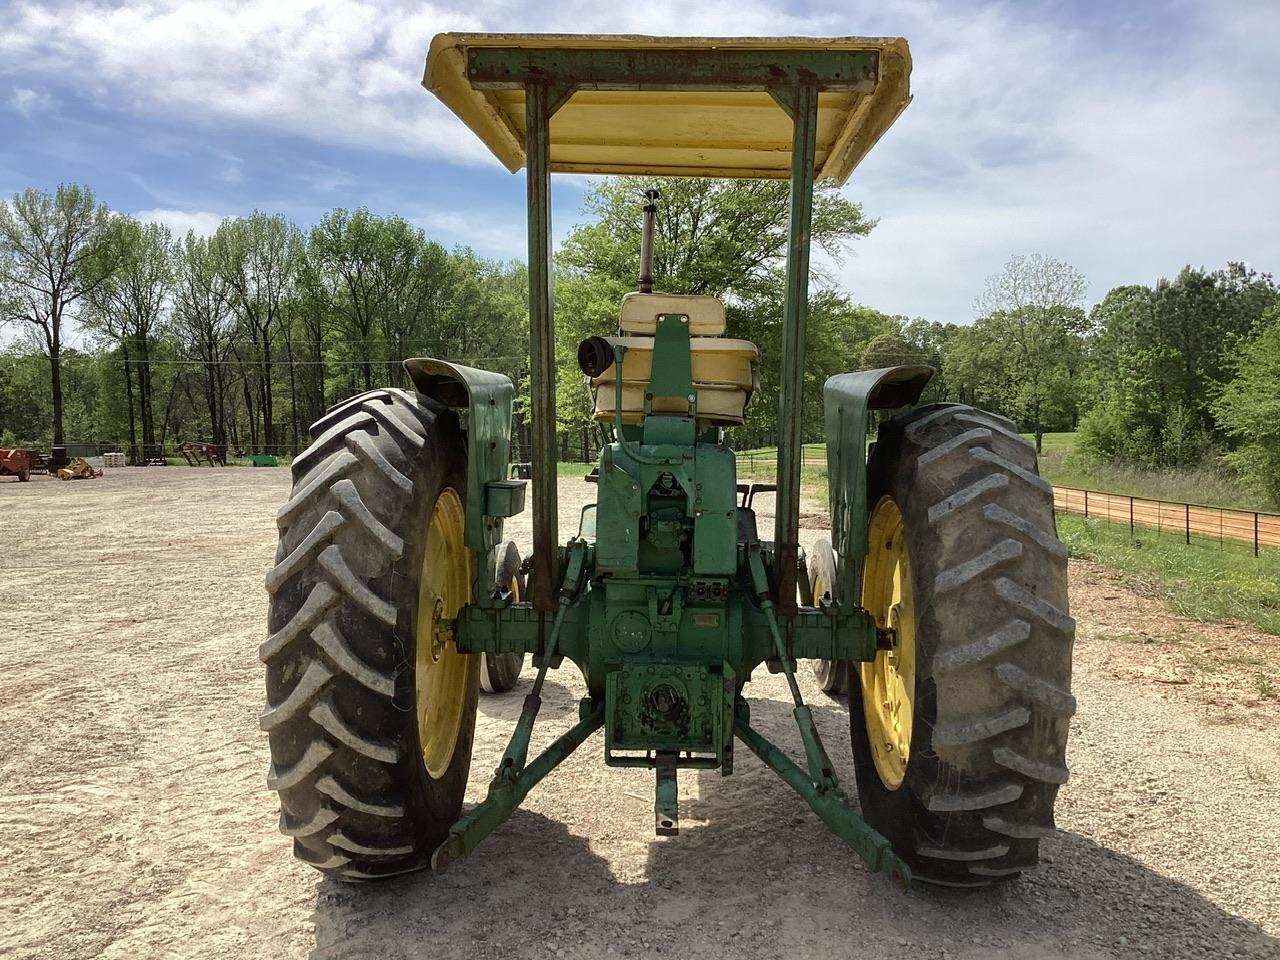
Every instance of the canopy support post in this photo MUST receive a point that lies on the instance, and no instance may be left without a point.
(801, 103)
(541, 101)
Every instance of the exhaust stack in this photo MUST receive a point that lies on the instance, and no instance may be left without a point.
(646, 241)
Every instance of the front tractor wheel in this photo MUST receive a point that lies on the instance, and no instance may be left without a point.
(370, 707)
(959, 727)
(500, 671)
(832, 675)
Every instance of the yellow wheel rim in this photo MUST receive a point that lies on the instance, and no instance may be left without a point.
(889, 681)
(441, 672)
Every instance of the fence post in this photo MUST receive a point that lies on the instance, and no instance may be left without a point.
(1255, 534)
(1131, 515)
(1086, 504)
(1186, 507)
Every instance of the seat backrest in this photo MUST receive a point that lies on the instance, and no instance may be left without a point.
(640, 313)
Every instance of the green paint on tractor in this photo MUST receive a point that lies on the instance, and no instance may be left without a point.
(669, 597)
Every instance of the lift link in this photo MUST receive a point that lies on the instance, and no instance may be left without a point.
(513, 780)
(513, 759)
(820, 768)
(820, 787)
(830, 806)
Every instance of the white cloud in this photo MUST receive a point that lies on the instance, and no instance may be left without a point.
(1025, 137)
(202, 222)
(464, 228)
(232, 168)
(1126, 140)
(329, 70)
(27, 102)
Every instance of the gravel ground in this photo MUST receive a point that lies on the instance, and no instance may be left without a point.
(135, 821)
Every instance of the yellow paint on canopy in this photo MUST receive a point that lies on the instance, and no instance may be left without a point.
(693, 133)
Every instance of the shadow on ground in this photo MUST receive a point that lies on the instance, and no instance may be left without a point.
(557, 701)
(754, 874)
(500, 903)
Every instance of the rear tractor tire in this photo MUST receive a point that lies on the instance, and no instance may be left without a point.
(959, 732)
(370, 707)
(500, 671)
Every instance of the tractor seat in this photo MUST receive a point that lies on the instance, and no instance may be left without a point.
(640, 313)
(724, 377)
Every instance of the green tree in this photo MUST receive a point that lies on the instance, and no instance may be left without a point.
(1161, 357)
(202, 324)
(837, 334)
(258, 259)
(1248, 408)
(129, 306)
(25, 403)
(890, 350)
(711, 237)
(1032, 318)
(54, 250)
(586, 305)
(483, 313)
(363, 264)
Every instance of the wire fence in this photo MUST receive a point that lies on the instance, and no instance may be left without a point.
(1190, 522)
(768, 459)
(1193, 524)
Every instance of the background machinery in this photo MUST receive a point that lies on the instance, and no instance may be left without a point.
(15, 462)
(939, 601)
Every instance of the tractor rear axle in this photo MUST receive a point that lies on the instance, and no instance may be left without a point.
(667, 613)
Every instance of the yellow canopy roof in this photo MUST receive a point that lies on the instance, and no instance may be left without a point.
(672, 115)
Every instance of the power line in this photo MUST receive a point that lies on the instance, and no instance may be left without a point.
(16, 358)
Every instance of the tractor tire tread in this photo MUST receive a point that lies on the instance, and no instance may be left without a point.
(339, 681)
(993, 688)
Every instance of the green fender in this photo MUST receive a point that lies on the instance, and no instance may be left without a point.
(846, 399)
(482, 400)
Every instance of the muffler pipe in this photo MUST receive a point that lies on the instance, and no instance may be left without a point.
(646, 241)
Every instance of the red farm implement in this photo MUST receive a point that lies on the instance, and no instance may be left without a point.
(20, 463)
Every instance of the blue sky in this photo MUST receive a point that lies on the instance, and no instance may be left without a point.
(1125, 138)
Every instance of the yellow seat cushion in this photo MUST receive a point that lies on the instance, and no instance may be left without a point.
(724, 377)
(715, 360)
(640, 313)
(718, 406)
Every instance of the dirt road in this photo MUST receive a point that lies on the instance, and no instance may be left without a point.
(135, 820)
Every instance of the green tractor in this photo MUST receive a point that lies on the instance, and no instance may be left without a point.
(939, 605)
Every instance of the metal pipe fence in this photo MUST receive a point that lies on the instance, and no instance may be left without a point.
(1254, 528)
(1191, 523)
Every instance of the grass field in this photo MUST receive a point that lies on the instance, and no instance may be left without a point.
(1206, 580)
(1064, 466)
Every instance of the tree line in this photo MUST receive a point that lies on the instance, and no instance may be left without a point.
(247, 335)
(243, 337)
